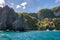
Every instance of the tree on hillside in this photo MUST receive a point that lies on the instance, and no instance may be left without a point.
(57, 23)
(34, 15)
(31, 21)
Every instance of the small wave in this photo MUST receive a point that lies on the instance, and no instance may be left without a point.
(1, 31)
(4, 35)
(54, 30)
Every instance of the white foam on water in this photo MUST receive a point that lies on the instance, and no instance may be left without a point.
(54, 30)
(7, 35)
(47, 30)
(1, 35)
(4, 35)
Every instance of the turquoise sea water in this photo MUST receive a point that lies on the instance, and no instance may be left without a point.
(32, 35)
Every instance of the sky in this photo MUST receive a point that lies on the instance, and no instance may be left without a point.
(29, 5)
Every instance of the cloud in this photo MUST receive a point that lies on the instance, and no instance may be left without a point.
(2, 2)
(57, 1)
(18, 6)
(23, 5)
(1, 5)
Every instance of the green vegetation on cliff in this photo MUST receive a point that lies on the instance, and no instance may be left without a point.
(23, 21)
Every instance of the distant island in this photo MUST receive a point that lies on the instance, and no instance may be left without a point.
(22, 21)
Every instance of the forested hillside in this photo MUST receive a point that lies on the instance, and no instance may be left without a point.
(23, 21)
